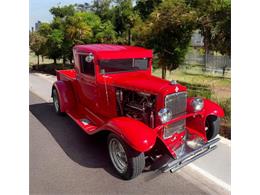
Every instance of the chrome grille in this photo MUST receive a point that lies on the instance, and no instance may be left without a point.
(176, 127)
(177, 104)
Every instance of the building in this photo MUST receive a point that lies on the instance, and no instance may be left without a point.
(37, 25)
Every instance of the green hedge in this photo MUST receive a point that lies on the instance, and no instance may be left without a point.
(50, 68)
(197, 90)
(226, 105)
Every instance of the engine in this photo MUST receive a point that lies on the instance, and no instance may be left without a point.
(137, 105)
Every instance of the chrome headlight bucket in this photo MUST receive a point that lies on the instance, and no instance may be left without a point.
(197, 104)
(165, 115)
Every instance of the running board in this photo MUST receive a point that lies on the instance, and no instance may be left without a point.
(84, 123)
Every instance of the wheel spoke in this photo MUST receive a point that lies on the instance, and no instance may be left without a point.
(118, 155)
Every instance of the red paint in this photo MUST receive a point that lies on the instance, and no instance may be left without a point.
(94, 98)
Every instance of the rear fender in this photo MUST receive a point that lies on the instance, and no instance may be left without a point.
(65, 94)
(135, 133)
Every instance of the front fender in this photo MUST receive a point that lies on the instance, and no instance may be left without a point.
(211, 108)
(135, 133)
(65, 94)
(198, 122)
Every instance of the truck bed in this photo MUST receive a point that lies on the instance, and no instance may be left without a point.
(69, 74)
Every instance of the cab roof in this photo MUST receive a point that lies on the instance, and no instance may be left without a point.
(109, 51)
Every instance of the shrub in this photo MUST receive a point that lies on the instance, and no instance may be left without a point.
(197, 90)
(226, 105)
(50, 68)
(225, 129)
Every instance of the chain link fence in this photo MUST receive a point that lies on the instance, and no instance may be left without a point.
(210, 64)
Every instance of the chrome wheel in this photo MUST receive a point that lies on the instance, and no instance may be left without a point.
(56, 101)
(118, 155)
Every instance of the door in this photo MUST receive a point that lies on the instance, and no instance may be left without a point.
(87, 81)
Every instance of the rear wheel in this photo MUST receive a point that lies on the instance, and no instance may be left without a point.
(212, 125)
(56, 101)
(127, 162)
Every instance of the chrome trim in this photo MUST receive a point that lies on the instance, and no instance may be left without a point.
(177, 104)
(118, 155)
(176, 164)
(173, 82)
(184, 106)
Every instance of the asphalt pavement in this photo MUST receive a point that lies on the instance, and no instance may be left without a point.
(65, 160)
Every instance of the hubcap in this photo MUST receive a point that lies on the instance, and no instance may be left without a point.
(55, 100)
(117, 155)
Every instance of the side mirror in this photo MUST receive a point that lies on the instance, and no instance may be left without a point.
(89, 58)
(102, 71)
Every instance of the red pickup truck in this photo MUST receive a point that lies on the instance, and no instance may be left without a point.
(149, 122)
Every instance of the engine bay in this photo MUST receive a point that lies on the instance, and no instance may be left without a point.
(137, 105)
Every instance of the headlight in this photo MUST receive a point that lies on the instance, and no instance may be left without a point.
(197, 104)
(165, 115)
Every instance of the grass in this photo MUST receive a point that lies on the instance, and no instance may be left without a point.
(47, 65)
(220, 86)
(33, 60)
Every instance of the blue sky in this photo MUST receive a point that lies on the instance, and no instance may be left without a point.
(39, 9)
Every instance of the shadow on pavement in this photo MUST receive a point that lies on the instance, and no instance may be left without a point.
(86, 150)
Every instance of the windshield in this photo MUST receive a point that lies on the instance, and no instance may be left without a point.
(123, 65)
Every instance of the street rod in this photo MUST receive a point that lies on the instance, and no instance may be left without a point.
(150, 123)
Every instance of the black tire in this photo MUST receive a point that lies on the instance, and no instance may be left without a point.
(135, 160)
(55, 98)
(213, 125)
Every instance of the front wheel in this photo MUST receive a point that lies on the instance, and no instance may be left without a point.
(212, 125)
(127, 162)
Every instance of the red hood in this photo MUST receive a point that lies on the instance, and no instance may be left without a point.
(145, 83)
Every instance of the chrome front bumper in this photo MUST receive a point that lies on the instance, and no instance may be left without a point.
(175, 164)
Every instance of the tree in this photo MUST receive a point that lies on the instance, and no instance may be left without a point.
(169, 32)
(78, 27)
(221, 32)
(82, 7)
(54, 44)
(204, 10)
(37, 44)
(125, 18)
(106, 33)
(214, 21)
(146, 7)
(62, 12)
(45, 29)
(54, 40)
(102, 9)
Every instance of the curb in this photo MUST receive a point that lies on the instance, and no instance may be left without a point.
(48, 77)
(225, 141)
(211, 177)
